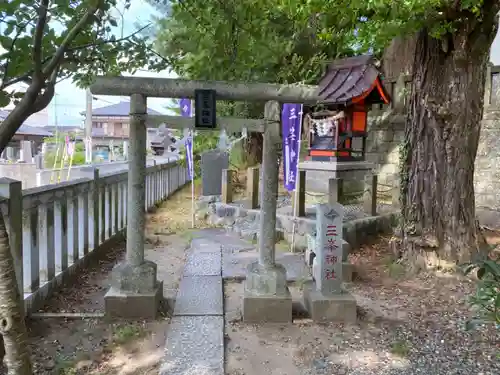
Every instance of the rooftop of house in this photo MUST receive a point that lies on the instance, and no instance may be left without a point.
(28, 128)
(121, 109)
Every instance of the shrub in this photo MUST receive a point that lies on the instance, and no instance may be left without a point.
(487, 298)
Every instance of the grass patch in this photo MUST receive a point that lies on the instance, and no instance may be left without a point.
(394, 269)
(400, 349)
(123, 334)
(65, 365)
(282, 246)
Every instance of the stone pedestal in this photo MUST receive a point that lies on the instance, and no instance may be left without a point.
(120, 304)
(338, 307)
(266, 296)
(134, 292)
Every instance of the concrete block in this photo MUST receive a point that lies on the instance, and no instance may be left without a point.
(195, 345)
(119, 304)
(267, 308)
(200, 295)
(339, 308)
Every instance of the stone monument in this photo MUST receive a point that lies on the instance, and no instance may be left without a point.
(10, 153)
(25, 155)
(325, 298)
(212, 164)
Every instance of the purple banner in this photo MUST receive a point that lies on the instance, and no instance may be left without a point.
(291, 120)
(185, 106)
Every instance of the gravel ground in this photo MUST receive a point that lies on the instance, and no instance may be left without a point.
(405, 326)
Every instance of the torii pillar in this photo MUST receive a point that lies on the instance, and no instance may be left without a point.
(135, 291)
(266, 296)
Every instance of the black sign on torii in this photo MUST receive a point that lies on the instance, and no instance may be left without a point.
(205, 109)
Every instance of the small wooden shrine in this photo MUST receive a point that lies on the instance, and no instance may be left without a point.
(337, 126)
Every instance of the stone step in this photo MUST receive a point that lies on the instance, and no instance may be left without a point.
(200, 295)
(203, 264)
(194, 346)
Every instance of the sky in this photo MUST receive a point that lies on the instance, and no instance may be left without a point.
(69, 100)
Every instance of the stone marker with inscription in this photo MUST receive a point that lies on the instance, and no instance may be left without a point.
(325, 298)
(212, 164)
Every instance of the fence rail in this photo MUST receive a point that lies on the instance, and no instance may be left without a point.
(53, 228)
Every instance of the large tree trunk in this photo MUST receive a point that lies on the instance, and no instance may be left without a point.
(438, 221)
(12, 325)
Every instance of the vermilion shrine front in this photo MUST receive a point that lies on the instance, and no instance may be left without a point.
(337, 127)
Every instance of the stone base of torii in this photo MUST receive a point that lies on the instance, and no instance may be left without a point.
(135, 290)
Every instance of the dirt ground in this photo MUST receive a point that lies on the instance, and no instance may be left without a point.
(406, 325)
(71, 346)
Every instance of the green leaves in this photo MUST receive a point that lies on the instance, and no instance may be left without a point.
(92, 49)
(4, 99)
(487, 298)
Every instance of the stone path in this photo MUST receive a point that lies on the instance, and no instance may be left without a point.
(195, 339)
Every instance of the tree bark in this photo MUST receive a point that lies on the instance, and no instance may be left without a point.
(253, 149)
(12, 324)
(438, 224)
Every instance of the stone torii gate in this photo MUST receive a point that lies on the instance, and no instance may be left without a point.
(135, 290)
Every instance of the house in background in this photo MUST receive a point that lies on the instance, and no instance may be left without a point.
(111, 123)
(31, 130)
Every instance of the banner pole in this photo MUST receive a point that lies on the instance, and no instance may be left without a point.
(192, 181)
(295, 191)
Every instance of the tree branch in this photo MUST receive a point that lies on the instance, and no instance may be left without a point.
(44, 99)
(56, 59)
(27, 78)
(38, 37)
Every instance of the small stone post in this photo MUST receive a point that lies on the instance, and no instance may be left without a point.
(10, 153)
(299, 204)
(253, 176)
(227, 186)
(13, 191)
(135, 291)
(266, 295)
(26, 154)
(396, 193)
(487, 87)
(125, 149)
(325, 299)
(370, 195)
